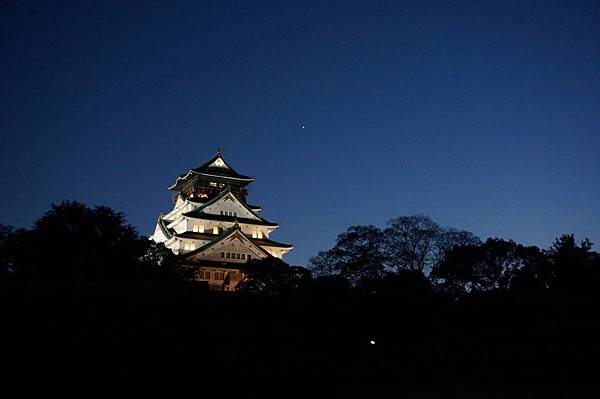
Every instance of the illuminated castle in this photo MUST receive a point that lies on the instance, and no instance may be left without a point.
(212, 228)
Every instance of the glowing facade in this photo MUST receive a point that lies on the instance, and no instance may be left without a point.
(212, 228)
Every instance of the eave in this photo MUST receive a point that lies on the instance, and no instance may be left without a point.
(223, 194)
(265, 242)
(232, 219)
(223, 236)
(163, 227)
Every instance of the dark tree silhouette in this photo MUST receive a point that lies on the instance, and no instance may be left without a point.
(5, 266)
(332, 284)
(450, 237)
(363, 254)
(16, 253)
(5, 231)
(490, 266)
(272, 276)
(405, 284)
(573, 267)
(410, 242)
(357, 256)
(160, 262)
(75, 242)
(418, 243)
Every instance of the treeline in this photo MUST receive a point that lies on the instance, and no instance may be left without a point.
(413, 254)
(410, 305)
(74, 242)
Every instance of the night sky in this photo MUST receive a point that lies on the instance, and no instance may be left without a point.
(484, 116)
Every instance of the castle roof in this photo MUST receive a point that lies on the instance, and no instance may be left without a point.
(255, 208)
(163, 227)
(199, 214)
(265, 242)
(227, 234)
(215, 167)
(224, 218)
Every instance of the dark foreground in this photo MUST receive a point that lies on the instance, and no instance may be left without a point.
(179, 337)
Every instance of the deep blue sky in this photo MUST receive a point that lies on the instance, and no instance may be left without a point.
(485, 116)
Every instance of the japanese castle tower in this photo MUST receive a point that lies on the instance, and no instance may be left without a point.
(212, 228)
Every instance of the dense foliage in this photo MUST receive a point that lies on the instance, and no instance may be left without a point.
(411, 305)
(456, 263)
(75, 242)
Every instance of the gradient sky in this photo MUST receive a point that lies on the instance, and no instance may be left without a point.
(484, 116)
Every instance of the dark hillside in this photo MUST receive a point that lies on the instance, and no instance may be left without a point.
(154, 334)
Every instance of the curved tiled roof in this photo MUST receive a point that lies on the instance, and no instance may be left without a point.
(221, 171)
(270, 243)
(209, 169)
(162, 223)
(207, 236)
(224, 235)
(224, 218)
(197, 213)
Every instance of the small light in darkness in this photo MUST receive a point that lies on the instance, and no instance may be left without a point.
(372, 342)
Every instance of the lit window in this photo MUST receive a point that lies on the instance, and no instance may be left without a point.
(202, 275)
(219, 276)
(254, 234)
(189, 246)
(260, 235)
(216, 230)
(201, 229)
(213, 184)
(195, 228)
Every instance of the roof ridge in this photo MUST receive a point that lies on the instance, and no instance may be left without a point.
(226, 234)
(221, 195)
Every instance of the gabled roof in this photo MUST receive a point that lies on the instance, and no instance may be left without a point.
(216, 167)
(219, 167)
(235, 230)
(199, 214)
(213, 200)
(255, 208)
(225, 218)
(207, 236)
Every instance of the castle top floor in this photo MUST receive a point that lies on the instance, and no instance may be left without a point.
(209, 180)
